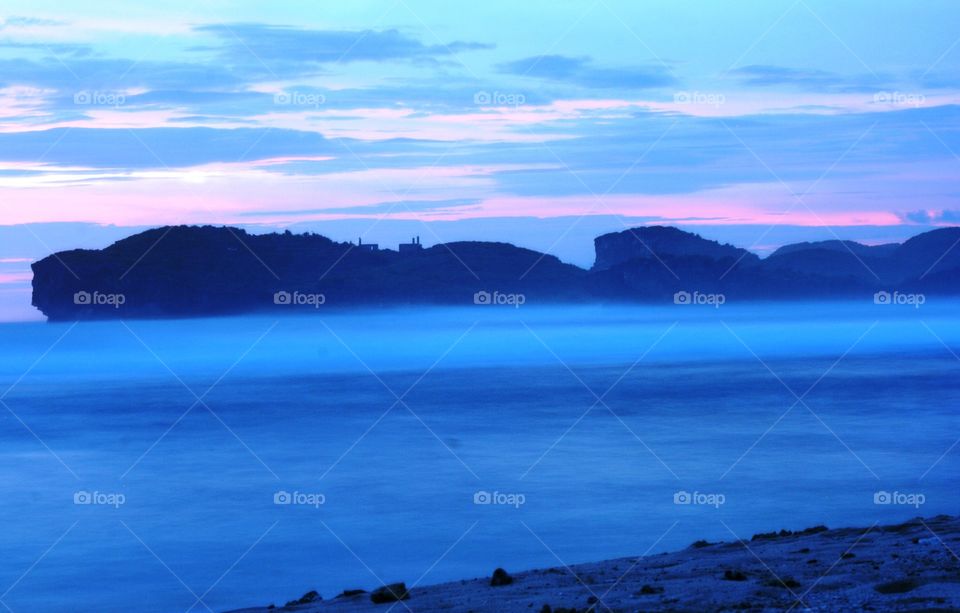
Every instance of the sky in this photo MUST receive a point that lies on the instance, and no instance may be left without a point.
(543, 123)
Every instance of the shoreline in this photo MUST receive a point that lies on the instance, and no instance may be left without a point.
(908, 566)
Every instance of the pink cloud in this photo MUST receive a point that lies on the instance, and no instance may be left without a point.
(262, 192)
(16, 277)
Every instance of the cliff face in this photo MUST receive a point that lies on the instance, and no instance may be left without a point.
(201, 271)
(654, 263)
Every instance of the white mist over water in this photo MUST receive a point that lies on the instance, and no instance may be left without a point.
(494, 399)
(410, 339)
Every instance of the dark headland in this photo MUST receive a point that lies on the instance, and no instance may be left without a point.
(190, 271)
(905, 567)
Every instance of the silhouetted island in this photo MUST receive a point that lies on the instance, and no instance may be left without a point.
(187, 271)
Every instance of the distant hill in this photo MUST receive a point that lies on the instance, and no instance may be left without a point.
(187, 271)
(659, 242)
(842, 247)
(934, 252)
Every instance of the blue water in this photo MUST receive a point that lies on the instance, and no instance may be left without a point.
(694, 399)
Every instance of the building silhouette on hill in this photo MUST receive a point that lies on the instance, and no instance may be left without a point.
(413, 246)
(367, 246)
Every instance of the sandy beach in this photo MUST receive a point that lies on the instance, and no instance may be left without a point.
(911, 566)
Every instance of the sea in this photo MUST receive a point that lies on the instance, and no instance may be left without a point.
(215, 464)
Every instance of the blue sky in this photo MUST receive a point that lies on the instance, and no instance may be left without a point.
(543, 123)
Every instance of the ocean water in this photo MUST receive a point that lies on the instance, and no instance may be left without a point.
(143, 461)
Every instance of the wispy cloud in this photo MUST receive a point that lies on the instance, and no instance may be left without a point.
(20, 21)
(941, 217)
(584, 72)
(283, 48)
(807, 79)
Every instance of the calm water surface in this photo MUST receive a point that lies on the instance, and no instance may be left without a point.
(593, 418)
